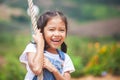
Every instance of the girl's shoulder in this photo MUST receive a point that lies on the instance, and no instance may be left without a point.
(66, 56)
(31, 44)
(30, 47)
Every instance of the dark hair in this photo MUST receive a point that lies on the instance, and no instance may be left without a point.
(44, 18)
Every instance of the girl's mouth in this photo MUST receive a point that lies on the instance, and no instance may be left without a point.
(56, 41)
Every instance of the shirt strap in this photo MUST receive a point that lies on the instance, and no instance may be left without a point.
(61, 54)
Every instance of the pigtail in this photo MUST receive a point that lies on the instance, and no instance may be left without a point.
(64, 47)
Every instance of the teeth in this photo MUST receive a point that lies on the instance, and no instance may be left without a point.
(56, 40)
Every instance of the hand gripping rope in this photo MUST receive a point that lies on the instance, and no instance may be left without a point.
(34, 24)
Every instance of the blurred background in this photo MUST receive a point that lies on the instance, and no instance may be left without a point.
(93, 37)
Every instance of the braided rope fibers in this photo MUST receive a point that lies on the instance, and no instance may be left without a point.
(34, 25)
(32, 15)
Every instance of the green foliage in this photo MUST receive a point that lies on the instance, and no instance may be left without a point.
(89, 57)
(94, 56)
(114, 64)
(77, 61)
(6, 26)
(21, 18)
(10, 49)
(1, 1)
(97, 12)
(17, 3)
(89, 11)
(104, 60)
(95, 70)
(81, 10)
(6, 39)
(106, 2)
(12, 69)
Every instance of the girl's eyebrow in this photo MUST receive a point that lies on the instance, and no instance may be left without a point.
(51, 27)
(63, 27)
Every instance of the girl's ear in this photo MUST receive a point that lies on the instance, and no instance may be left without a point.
(64, 47)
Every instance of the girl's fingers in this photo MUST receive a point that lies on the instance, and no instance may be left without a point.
(48, 65)
(37, 31)
(38, 37)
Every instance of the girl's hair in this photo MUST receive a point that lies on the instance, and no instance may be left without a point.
(42, 22)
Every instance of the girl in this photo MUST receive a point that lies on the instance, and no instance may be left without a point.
(44, 55)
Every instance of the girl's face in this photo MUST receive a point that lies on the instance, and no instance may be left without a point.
(55, 32)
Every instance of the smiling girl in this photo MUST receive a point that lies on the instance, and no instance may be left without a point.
(45, 55)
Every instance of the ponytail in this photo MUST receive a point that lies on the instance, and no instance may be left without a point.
(64, 47)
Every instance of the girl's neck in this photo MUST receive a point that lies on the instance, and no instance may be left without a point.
(51, 50)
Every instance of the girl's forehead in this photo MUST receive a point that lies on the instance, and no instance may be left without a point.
(56, 20)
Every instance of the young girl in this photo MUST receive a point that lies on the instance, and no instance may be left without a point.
(45, 55)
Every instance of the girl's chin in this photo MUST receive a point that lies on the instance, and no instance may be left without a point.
(54, 47)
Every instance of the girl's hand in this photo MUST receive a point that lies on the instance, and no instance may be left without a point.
(48, 65)
(38, 37)
(35, 60)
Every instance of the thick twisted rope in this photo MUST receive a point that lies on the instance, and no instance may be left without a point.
(32, 15)
(34, 25)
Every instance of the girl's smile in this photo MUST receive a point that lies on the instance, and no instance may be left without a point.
(47, 56)
(55, 32)
(55, 40)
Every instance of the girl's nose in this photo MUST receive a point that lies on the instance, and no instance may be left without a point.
(56, 33)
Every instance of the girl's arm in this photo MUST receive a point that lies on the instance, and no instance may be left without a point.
(58, 76)
(48, 65)
(35, 60)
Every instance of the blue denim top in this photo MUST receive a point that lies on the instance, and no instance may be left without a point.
(47, 75)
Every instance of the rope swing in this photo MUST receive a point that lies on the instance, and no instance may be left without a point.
(34, 26)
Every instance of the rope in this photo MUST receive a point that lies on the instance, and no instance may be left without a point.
(32, 15)
(34, 25)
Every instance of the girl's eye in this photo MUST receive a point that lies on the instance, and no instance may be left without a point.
(62, 30)
(51, 29)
